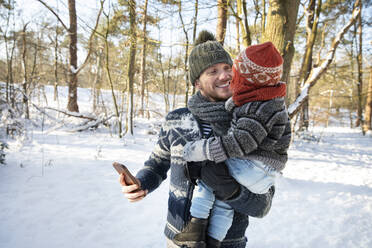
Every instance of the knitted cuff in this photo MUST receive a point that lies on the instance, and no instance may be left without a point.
(229, 105)
(216, 151)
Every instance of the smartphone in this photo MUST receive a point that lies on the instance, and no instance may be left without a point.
(128, 177)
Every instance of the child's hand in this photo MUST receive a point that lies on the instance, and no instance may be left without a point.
(197, 150)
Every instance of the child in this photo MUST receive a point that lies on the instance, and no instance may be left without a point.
(254, 149)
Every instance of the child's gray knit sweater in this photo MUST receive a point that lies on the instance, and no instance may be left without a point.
(259, 131)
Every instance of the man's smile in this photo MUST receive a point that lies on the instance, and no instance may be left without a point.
(223, 85)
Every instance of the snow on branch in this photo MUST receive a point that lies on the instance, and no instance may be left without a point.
(73, 114)
(90, 121)
(317, 72)
(90, 124)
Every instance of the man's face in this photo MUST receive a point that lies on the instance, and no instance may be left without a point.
(214, 82)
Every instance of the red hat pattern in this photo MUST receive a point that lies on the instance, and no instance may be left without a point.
(261, 64)
(256, 74)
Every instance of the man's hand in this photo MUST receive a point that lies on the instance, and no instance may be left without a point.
(217, 177)
(132, 192)
(197, 150)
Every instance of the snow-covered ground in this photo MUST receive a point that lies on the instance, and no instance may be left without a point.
(59, 190)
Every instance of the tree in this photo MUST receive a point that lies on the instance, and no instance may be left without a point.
(186, 48)
(25, 78)
(368, 107)
(280, 30)
(221, 20)
(108, 71)
(143, 59)
(241, 23)
(74, 70)
(359, 58)
(72, 104)
(307, 60)
(316, 72)
(131, 60)
(9, 49)
(58, 31)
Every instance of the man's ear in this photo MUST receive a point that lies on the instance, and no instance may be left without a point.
(197, 84)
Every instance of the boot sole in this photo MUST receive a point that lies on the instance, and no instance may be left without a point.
(191, 244)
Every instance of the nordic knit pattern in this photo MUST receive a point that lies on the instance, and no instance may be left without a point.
(180, 127)
(259, 130)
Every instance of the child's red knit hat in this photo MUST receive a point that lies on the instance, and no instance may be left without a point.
(257, 70)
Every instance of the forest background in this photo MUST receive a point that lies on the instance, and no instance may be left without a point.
(138, 47)
(84, 83)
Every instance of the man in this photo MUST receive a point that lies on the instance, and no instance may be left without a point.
(211, 73)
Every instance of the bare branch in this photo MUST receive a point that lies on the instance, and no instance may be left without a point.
(51, 10)
(73, 114)
(90, 124)
(317, 72)
(91, 38)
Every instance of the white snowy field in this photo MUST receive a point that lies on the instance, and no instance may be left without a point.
(58, 189)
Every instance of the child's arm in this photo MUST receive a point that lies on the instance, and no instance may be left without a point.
(253, 122)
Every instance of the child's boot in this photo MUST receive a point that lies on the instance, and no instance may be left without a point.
(213, 243)
(193, 235)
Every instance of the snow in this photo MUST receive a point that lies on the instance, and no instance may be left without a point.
(73, 69)
(58, 189)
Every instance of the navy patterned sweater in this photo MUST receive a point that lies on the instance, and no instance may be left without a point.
(180, 127)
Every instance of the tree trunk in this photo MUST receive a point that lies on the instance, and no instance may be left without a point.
(72, 104)
(25, 79)
(368, 108)
(163, 82)
(131, 61)
(169, 78)
(186, 48)
(237, 23)
(107, 66)
(280, 29)
(241, 6)
(193, 40)
(263, 20)
(143, 60)
(195, 20)
(55, 97)
(307, 62)
(10, 73)
(221, 20)
(359, 69)
(96, 88)
(9, 57)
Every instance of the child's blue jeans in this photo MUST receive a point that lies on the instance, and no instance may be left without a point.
(252, 174)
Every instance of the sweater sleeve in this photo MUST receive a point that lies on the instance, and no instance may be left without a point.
(156, 167)
(252, 124)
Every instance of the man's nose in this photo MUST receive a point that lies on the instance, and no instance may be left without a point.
(225, 75)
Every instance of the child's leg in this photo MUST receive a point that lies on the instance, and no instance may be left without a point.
(253, 174)
(220, 220)
(202, 201)
(194, 234)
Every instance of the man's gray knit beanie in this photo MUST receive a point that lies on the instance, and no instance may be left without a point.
(206, 52)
